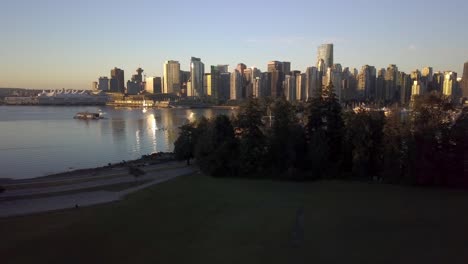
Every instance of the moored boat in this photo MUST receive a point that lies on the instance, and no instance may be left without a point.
(88, 115)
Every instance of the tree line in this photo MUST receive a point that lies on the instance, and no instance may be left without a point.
(319, 140)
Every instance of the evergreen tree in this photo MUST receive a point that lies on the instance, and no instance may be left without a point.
(252, 141)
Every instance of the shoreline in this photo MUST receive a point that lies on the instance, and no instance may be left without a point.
(151, 159)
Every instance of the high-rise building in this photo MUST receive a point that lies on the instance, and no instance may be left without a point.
(208, 85)
(380, 86)
(336, 78)
(416, 89)
(223, 68)
(391, 78)
(265, 85)
(313, 83)
(197, 72)
(325, 53)
(276, 78)
(114, 85)
(250, 74)
(118, 75)
(464, 81)
(237, 82)
(364, 83)
(406, 88)
(301, 91)
(286, 67)
(103, 84)
(450, 85)
(349, 84)
(138, 77)
(153, 85)
(172, 83)
(290, 87)
(224, 86)
(427, 74)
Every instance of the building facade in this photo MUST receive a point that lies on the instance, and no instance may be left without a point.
(171, 77)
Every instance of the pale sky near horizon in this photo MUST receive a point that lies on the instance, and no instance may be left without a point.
(69, 44)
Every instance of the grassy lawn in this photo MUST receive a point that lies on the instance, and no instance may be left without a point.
(198, 219)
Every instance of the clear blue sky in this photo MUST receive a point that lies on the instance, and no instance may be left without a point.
(64, 43)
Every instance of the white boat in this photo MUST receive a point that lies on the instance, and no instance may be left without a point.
(88, 115)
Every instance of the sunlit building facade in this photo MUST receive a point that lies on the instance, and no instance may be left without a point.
(171, 77)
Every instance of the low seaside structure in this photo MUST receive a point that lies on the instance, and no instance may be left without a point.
(72, 97)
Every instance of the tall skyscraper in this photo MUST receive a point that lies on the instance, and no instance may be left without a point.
(197, 72)
(250, 74)
(427, 74)
(286, 67)
(313, 83)
(406, 88)
(138, 77)
(349, 84)
(118, 75)
(103, 84)
(276, 78)
(380, 86)
(301, 81)
(464, 81)
(391, 78)
(237, 81)
(325, 53)
(172, 82)
(290, 87)
(450, 85)
(364, 83)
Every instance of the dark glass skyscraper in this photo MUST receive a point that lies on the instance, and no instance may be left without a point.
(464, 82)
(119, 84)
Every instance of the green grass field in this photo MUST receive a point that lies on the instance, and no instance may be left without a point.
(198, 219)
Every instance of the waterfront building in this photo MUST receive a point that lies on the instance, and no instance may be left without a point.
(103, 84)
(138, 77)
(325, 53)
(71, 97)
(172, 83)
(153, 85)
(197, 72)
(114, 86)
(208, 85)
(224, 86)
(94, 86)
(118, 75)
(134, 88)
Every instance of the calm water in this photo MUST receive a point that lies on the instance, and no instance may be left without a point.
(40, 140)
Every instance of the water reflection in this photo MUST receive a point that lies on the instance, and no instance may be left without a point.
(48, 139)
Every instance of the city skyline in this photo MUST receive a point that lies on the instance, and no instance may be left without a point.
(53, 45)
